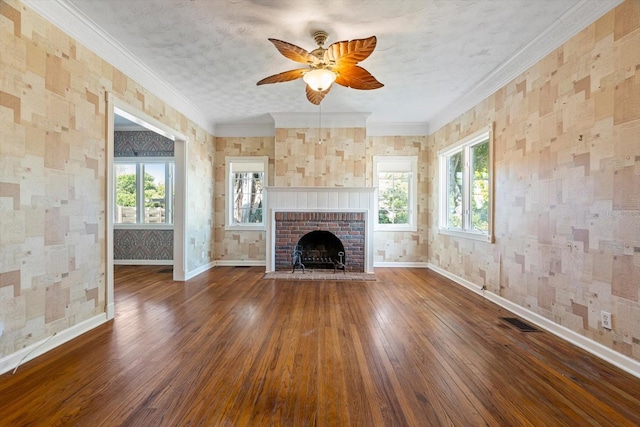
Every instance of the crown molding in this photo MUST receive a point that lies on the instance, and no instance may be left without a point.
(244, 129)
(398, 129)
(312, 120)
(76, 24)
(80, 27)
(568, 25)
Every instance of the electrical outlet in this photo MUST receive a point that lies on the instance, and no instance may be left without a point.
(605, 318)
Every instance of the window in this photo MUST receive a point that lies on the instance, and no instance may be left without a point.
(466, 187)
(245, 181)
(396, 178)
(144, 191)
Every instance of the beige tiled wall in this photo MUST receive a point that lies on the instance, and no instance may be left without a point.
(344, 158)
(402, 246)
(567, 181)
(234, 245)
(567, 185)
(302, 160)
(52, 176)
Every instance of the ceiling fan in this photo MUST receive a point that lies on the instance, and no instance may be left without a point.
(337, 63)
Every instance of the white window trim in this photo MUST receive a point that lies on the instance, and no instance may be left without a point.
(398, 164)
(169, 188)
(443, 155)
(228, 203)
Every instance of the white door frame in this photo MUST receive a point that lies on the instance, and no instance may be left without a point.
(116, 105)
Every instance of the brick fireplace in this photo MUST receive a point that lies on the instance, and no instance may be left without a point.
(347, 212)
(349, 227)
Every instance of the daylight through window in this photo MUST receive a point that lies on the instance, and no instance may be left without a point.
(396, 179)
(466, 187)
(143, 191)
(246, 179)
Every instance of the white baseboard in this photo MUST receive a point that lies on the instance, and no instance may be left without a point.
(605, 353)
(459, 280)
(143, 262)
(111, 311)
(193, 273)
(394, 264)
(225, 263)
(240, 263)
(10, 361)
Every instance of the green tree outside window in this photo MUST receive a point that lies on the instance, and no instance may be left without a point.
(393, 198)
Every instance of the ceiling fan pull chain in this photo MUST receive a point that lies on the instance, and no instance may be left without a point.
(320, 125)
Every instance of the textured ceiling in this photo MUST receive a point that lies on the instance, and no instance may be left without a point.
(429, 52)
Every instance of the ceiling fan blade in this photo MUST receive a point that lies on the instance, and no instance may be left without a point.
(350, 52)
(294, 52)
(283, 77)
(316, 97)
(357, 77)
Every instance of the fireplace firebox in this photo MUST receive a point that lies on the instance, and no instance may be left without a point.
(333, 232)
(319, 249)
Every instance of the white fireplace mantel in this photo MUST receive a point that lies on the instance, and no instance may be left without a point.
(320, 199)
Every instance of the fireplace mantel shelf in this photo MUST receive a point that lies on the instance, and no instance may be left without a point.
(321, 189)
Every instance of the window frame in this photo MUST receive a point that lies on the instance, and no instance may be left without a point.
(228, 200)
(169, 177)
(396, 164)
(464, 146)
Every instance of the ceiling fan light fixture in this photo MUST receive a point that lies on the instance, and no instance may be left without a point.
(324, 66)
(319, 79)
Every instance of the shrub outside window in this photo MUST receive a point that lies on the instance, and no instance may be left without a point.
(466, 199)
(396, 180)
(143, 191)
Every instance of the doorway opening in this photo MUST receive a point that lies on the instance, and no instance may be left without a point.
(146, 193)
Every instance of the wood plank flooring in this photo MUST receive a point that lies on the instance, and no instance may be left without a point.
(228, 348)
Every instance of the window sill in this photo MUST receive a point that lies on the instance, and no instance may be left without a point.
(396, 227)
(143, 226)
(467, 235)
(256, 227)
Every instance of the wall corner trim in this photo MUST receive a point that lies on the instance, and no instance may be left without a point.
(193, 273)
(621, 361)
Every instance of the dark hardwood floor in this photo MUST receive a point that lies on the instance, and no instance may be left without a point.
(228, 348)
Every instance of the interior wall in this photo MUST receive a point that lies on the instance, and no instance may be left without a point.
(402, 246)
(567, 185)
(339, 161)
(234, 245)
(200, 197)
(343, 159)
(53, 171)
(567, 213)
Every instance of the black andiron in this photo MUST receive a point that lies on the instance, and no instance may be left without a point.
(302, 257)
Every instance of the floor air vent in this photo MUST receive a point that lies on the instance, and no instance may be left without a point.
(522, 326)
